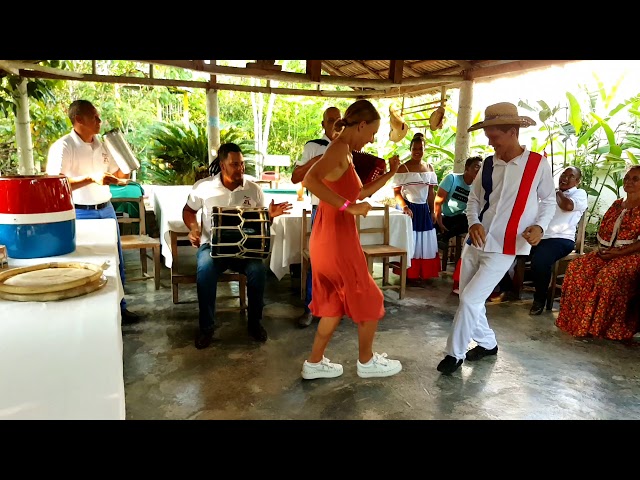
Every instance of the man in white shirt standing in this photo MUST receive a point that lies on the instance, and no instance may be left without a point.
(509, 208)
(559, 239)
(228, 188)
(311, 153)
(90, 169)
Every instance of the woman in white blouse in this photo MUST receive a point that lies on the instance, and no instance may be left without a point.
(414, 189)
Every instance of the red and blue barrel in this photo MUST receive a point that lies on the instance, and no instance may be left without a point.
(37, 216)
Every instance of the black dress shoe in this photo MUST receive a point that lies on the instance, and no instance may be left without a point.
(478, 352)
(536, 308)
(305, 320)
(204, 339)
(257, 332)
(129, 317)
(449, 365)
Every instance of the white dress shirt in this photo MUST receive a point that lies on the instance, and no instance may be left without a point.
(506, 188)
(564, 223)
(311, 150)
(210, 192)
(73, 157)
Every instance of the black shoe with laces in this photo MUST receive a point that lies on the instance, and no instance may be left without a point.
(478, 352)
(449, 365)
(129, 317)
(257, 332)
(204, 339)
(536, 308)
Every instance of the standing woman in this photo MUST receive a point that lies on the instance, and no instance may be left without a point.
(342, 284)
(598, 287)
(414, 190)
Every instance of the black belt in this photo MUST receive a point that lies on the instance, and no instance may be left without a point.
(92, 207)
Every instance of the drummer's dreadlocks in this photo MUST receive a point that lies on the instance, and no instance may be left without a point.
(223, 152)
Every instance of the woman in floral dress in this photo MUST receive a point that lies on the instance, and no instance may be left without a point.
(414, 190)
(598, 287)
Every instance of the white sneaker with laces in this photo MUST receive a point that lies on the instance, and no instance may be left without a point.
(323, 369)
(380, 366)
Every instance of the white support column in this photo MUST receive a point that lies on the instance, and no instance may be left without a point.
(213, 124)
(465, 104)
(23, 131)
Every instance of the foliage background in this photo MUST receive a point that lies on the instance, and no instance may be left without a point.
(591, 127)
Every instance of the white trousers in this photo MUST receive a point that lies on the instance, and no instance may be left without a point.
(480, 272)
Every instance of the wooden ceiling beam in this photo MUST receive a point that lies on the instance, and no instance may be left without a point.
(396, 71)
(292, 77)
(314, 70)
(370, 70)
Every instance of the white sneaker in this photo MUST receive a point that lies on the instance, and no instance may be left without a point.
(324, 369)
(380, 366)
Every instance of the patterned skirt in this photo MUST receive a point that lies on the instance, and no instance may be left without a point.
(597, 295)
(425, 260)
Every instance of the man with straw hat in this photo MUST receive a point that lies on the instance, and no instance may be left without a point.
(511, 203)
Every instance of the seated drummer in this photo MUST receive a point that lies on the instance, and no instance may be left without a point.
(228, 188)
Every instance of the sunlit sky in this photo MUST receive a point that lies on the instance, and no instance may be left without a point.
(552, 83)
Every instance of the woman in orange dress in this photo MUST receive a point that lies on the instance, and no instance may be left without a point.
(342, 284)
(598, 287)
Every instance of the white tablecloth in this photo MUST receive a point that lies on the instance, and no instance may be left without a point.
(168, 202)
(286, 232)
(63, 359)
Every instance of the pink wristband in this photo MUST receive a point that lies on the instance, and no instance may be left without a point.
(344, 207)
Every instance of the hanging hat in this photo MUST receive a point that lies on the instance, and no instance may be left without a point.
(399, 129)
(503, 113)
(436, 120)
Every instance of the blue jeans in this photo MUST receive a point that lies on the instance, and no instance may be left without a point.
(543, 256)
(207, 273)
(314, 209)
(106, 212)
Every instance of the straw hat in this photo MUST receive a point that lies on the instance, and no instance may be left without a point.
(503, 113)
(436, 120)
(399, 129)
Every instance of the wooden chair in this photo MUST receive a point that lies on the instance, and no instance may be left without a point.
(523, 264)
(452, 252)
(141, 241)
(385, 251)
(305, 259)
(185, 272)
(560, 267)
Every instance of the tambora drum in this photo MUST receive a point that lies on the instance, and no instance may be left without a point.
(242, 232)
(37, 216)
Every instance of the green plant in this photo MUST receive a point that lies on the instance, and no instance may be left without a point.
(178, 154)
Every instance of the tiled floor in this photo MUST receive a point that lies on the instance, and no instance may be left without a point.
(540, 372)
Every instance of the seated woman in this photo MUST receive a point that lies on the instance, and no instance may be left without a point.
(598, 287)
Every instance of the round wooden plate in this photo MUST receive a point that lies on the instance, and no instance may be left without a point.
(60, 295)
(49, 277)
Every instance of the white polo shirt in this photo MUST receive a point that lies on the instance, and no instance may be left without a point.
(564, 223)
(311, 150)
(501, 221)
(71, 156)
(210, 192)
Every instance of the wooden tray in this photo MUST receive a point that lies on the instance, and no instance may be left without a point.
(51, 281)
(53, 296)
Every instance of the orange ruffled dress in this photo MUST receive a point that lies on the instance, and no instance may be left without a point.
(342, 284)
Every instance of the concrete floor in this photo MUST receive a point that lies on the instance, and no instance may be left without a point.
(540, 372)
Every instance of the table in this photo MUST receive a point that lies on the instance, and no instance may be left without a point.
(286, 236)
(63, 360)
(168, 202)
(285, 229)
